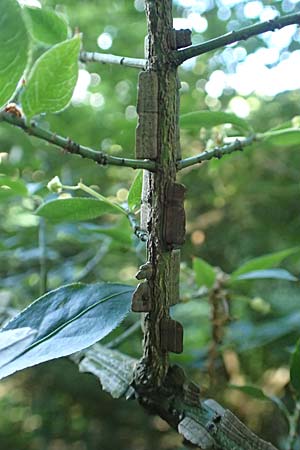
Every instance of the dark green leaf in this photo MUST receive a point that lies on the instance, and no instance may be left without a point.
(253, 391)
(65, 321)
(295, 369)
(264, 262)
(273, 274)
(135, 192)
(244, 335)
(51, 82)
(285, 137)
(208, 119)
(13, 48)
(204, 273)
(77, 208)
(114, 370)
(258, 393)
(46, 26)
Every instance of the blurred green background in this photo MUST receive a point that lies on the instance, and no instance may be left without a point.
(240, 207)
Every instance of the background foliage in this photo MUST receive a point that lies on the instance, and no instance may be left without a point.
(238, 208)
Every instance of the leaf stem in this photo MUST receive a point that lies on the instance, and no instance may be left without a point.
(104, 58)
(293, 422)
(243, 34)
(217, 152)
(70, 146)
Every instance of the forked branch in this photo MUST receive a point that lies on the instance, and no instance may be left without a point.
(73, 147)
(180, 56)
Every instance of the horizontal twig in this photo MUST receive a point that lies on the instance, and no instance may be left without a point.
(180, 56)
(216, 152)
(69, 146)
(104, 58)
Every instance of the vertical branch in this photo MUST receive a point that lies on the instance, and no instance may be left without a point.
(158, 326)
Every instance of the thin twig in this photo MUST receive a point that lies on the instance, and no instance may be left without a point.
(119, 339)
(70, 146)
(217, 152)
(104, 58)
(180, 56)
(92, 263)
(140, 234)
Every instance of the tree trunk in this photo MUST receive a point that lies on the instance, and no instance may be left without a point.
(158, 188)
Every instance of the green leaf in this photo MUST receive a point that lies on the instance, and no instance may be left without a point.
(46, 26)
(209, 119)
(114, 370)
(135, 192)
(10, 187)
(13, 48)
(258, 393)
(77, 208)
(204, 273)
(283, 138)
(295, 369)
(11, 340)
(51, 82)
(253, 391)
(65, 321)
(264, 262)
(273, 274)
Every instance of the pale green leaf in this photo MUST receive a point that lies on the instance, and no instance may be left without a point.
(77, 208)
(13, 48)
(135, 192)
(51, 82)
(264, 262)
(209, 119)
(10, 187)
(204, 273)
(46, 26)
(63, 322)
(283, 138)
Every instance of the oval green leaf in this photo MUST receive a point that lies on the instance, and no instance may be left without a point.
(253, 391)
(209, 119)
(204, 273)
(13, 48)
(264, 262)
(77, 208)
(51, 82)
(135, 192)
(46, 26)
(65, 321)
(283, 138)
(295, 369)
(272, 274)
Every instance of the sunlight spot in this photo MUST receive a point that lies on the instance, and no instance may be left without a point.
(240, 107)
(97, 100)
(104, 41)
(35, 3)
(253, 9)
